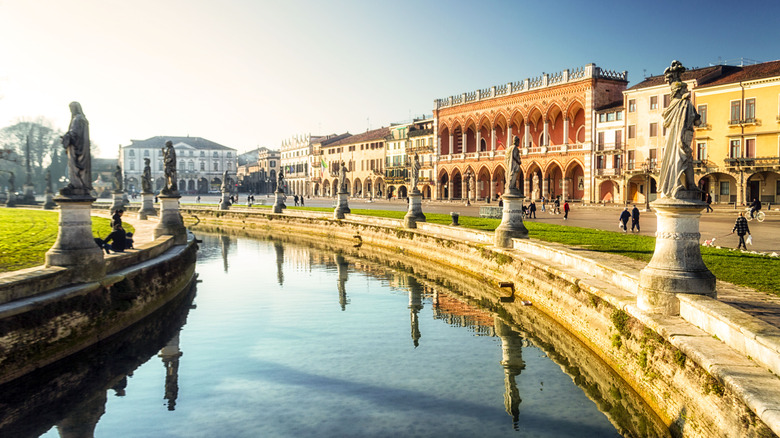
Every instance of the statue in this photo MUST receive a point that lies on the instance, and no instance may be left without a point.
(76, 143)
(512, 166)
(280, 181)
(48, 181)
(118, 179)
(415, 175)
(680, 117)
(169, 160)
(343, 178)
(11, 183)
(224, 188)
(146, 178)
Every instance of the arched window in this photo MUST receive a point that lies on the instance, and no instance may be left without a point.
(132, 165)
(146, 153)
(191, 165)
(181, 164)
(132, 153)
(216, 166)
(215, 154)
(202, 153)
(202, 165)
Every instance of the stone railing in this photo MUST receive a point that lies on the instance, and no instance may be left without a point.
(545, 80)
(471, 155)
(607, 172)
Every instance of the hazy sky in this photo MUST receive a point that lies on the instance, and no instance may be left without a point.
(248, 73)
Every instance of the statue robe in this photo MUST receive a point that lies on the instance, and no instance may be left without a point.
(679, 119)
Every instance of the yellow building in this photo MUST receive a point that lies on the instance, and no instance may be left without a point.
(738, 148)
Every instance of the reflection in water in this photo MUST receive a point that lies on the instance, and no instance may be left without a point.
(170, 355)
(224, 241)
(342, 268)
(512, 361)
(415, 305)
(71, 394)
(279, 248)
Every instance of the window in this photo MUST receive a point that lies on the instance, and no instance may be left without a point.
(750, 146)
(181, 164)
(631, 159)
(602, 117)
(202, 153)
(132, 165)
(653, 102)
(192, 153)
(654, 130)
(610, 117)
(600, 162)
(734, 149)
(215, 154)
(203, 165)
(631, 131)
(702, 110)
(736, 112)
(701, 151)
(667, 99)
(724, 188)
(632, 105)
(653, 158)
(273, 164)
(619, 115)
(600, 141)
(216, 166)
(750, 110)
(191, 165)
(146, 153)
(619, 138)
(228, 155)
(132, 153)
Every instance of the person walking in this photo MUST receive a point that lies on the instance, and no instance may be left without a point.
(708, 200)
(741, 227)
(565, 210)
(635, 219)
(532, 210)
(624, 217)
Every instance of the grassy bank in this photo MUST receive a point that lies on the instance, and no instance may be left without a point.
(26, 235)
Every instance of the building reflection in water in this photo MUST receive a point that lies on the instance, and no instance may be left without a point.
(170, 355)
(225, 245)
(513, 363)
(342, 268)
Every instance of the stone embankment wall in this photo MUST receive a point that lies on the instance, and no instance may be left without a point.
(45, 317)
(698, 385)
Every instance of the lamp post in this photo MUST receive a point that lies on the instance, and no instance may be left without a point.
(646, 168)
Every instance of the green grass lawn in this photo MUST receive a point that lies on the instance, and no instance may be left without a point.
(26, 235)
(38, 231)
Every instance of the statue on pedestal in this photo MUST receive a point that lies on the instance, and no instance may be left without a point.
(11, 183)
(76, 143)
(343, 178)
(414, 176)
(512, 166)
(146, 178)
(280, 181)
(48, 181)
(224, 188)
(169, 160)
(118, 179)
(680, 117)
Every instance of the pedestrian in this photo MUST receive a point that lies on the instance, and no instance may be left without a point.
(557, 203)
(565, 210)
(741, 227)
(754, 207)
(301, 200)
(635, 219)
(198, 200)
(116, 219)
(295, 199)
(708, 199)
(532, 210)
(624, 217)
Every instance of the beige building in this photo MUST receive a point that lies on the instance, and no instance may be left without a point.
(364, 157)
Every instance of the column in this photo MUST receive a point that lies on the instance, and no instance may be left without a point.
(452, 144)
(565, 193)
(546, 136)
(545, 188)
(450, 185)
(463, 190)
(527, 187)
(566, 131)
(463, 145)
(493, 139)
(508, 135)
(479, 140)
(492, 188)
(527, 136)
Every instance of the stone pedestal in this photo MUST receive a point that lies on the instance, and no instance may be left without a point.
(342, 207)
(147, 206)
(119, 201)
(279, 202)
(224, 204)
(676, 266)
(512, 226)
(49, 203)
(75, 246)
(415, 213)
(171, 223)
(10, 199)
(3, 197)
(28, 196)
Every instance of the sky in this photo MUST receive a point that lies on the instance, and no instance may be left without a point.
(251, 73)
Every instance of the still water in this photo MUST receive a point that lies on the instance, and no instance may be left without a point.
(281, 339)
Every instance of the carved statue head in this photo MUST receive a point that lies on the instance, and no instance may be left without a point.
(674, 72)
(146, 161)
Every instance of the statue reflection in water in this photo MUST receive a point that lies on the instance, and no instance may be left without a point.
(513, 363)
(279, 248)
(342, 268)
(415, 305)
(170, 355)
(224, 242)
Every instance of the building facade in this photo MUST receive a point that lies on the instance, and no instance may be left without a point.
(296, 158)
(364, 156)
(608, 152)
(200, 163)
(319, 167)
(404, 142)
(552, 117)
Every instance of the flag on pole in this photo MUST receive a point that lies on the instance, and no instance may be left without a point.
(325, 165)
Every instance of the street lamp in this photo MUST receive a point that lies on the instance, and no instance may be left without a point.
(646, 167)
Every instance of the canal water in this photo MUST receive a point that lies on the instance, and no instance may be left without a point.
(281, 339)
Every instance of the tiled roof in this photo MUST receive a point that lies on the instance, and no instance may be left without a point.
(376, 134)
(701, 75)
(331, 138)
(749, 73)
(196, 142)
(611, 106)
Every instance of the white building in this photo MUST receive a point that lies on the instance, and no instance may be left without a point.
(201, 163)
(608, 151)
(297, 163)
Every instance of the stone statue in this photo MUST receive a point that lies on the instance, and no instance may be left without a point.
(512, 165)
(76, 143)
(537, 190)
(343, 178)
(169, 160)
(415, 175)
(146, 178)
(680, 117)
(224, 188)
(118, 179)
(48, 181)
(11, 183)
(280, 181)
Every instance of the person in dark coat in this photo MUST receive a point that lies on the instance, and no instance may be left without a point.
(708, 200)
(741, 227)
(635, 219)
(624, 217)
(118, 240)
(754, 207)
(532, 210)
